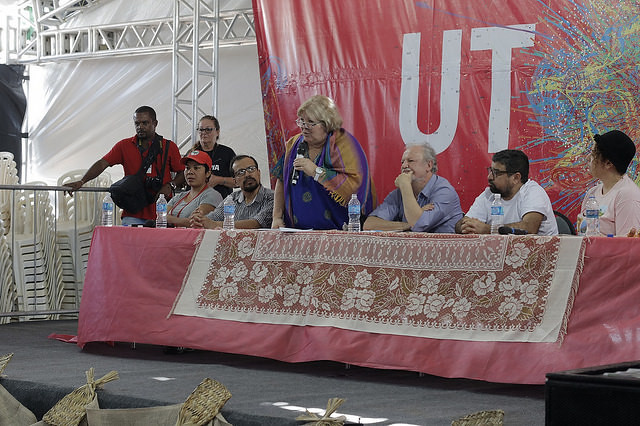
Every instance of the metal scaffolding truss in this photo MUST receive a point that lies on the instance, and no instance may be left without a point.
(36, 33)
(195, 61)
(40, 32)
(21, 41)
(54, 12)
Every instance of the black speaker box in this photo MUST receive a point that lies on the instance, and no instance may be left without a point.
(604, 395)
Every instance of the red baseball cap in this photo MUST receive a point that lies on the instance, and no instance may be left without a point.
(199, 157)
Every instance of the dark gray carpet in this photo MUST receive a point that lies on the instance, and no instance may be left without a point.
(265, 392)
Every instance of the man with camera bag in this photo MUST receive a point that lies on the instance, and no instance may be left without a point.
(146, 150)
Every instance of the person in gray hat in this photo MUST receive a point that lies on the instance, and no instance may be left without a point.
(616, 193)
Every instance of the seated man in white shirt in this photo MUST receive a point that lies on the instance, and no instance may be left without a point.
(526, 204)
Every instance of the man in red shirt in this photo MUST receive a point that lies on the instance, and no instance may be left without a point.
(130, 153)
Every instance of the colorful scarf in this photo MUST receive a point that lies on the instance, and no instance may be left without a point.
(347, 172)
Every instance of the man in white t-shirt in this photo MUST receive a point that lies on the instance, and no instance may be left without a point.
(526, 204)
(617, 194)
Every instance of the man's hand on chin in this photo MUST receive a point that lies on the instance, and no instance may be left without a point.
(404, 178)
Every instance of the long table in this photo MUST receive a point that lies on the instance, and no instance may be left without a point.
(496, 308)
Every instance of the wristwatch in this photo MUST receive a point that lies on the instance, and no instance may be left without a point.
(319, 172)
(173, 186)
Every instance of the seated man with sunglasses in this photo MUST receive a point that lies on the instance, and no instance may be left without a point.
(254, 202)
(526, 204)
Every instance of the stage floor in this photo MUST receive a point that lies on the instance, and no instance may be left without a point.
(264, 391)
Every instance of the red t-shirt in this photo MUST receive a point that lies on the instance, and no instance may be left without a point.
(127, 154)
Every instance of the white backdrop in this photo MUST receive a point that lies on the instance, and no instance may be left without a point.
(77, 110)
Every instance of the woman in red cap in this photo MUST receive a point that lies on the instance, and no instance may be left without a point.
(201, 196)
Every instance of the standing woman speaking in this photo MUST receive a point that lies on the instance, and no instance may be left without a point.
(221, 155)
(322, 166)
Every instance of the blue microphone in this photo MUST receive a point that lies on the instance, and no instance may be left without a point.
(506, 230)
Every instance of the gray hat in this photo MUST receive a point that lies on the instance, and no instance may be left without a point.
(616, 147)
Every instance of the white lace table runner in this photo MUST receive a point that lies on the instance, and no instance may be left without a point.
(480, 288)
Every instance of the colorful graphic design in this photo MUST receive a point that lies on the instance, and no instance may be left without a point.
(470, 78)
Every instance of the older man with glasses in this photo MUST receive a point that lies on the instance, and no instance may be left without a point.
(254, 202)
(526, 204)
(422, 202)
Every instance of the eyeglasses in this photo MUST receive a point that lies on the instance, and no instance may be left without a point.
(205, 130)
(306, 124)
(496, 173)
(242, 172)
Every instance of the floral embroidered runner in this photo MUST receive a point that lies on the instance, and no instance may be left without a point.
(482, 288)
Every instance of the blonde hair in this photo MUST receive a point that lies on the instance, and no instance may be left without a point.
(322, 109)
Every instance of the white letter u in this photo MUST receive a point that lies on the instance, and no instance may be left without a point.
(449, 91)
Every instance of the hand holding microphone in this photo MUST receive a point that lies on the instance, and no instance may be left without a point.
(303, 150)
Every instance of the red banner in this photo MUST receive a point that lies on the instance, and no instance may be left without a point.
(469, 77)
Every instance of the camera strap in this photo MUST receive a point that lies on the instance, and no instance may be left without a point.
(154, 150)
(166, 155)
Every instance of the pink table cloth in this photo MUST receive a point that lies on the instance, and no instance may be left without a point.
(382, 301)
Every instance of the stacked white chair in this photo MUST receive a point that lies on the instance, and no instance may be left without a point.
(77, 216)
(8, 292)
(37, 263)
(8, 176)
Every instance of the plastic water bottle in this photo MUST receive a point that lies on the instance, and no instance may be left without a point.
(229, 213)
(107, 211)
(592, 216)
(161, 212)
(354, 214)
(497, 213)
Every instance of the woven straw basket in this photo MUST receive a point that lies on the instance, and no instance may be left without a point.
(204, 403)
(4, 360)
(481, 418)
(71, 409)
(326, 420)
